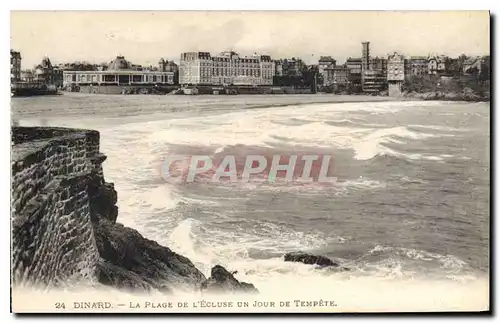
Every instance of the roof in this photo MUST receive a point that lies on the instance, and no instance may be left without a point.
(395, 54)
(418, 57)
(15, 54)
(228, 53)
(46, 63)
(326, 59)
(439, 59)
(472, 60)
(119, 63)
(122, 72)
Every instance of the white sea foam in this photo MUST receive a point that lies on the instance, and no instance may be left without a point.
(388, 288)
(439, 128)
(135, 149)
(384, 284)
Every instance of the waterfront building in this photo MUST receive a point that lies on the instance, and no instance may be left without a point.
(278, 67)
(266, 69)
(327, 76)
(119, 72)
(437, 64)
(161, 65)
(416, 66)
(354, 66)
(472, 64)
(57, 76)
(15, 66)
(373, 71)
(365, 68)
(340, 75)
(44, 72)
(378, 63)
(169, 66)
(226, 68)
(374, 81)
(27, 76)
(293, 66)
(195, 68)
(395, 73)
(365, 56)
(325, 62)
(325, 68)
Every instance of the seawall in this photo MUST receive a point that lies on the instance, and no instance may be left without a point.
(202, 89)
(51, 229)
(63, 221)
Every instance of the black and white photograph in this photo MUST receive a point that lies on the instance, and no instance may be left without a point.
(250, 161)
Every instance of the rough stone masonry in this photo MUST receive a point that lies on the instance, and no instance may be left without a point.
(64, 226)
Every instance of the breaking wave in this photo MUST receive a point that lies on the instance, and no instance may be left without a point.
(204, 224)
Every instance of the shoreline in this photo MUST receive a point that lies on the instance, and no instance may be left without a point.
(109, 106)
(425, 96)
(346, 304)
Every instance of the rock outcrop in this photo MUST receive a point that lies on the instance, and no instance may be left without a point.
(64, 220)
(222, 281)
(310, 259)
(127, 256)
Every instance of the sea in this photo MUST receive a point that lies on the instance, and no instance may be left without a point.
(409, 213)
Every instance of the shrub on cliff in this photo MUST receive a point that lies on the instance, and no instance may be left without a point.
(431, 87)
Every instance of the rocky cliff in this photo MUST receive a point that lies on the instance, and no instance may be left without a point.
(64, 215)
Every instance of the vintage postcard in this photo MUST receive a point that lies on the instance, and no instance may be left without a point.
(250, 161)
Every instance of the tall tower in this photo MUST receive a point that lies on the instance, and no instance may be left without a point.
(365, 56)
(161, 65)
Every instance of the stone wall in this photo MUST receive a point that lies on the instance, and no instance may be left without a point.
(63, 221)
(52, 235)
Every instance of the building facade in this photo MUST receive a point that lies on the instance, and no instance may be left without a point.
(417, 66)
(325, 68)
(57, 76)
(226, 68)
(278, 67)
(373, 71)
(119, 72)
(293, 66)
(354, 67)
(395, 73)
(44, 72)
(473, 64)
(365, 56)
(15, 66)
(340, 75)
(437, 64)
(374, 81)
(27, 76)
(378, 63)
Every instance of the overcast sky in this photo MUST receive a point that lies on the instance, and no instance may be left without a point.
(144, 37)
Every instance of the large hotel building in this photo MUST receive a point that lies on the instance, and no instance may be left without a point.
(227, 68)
